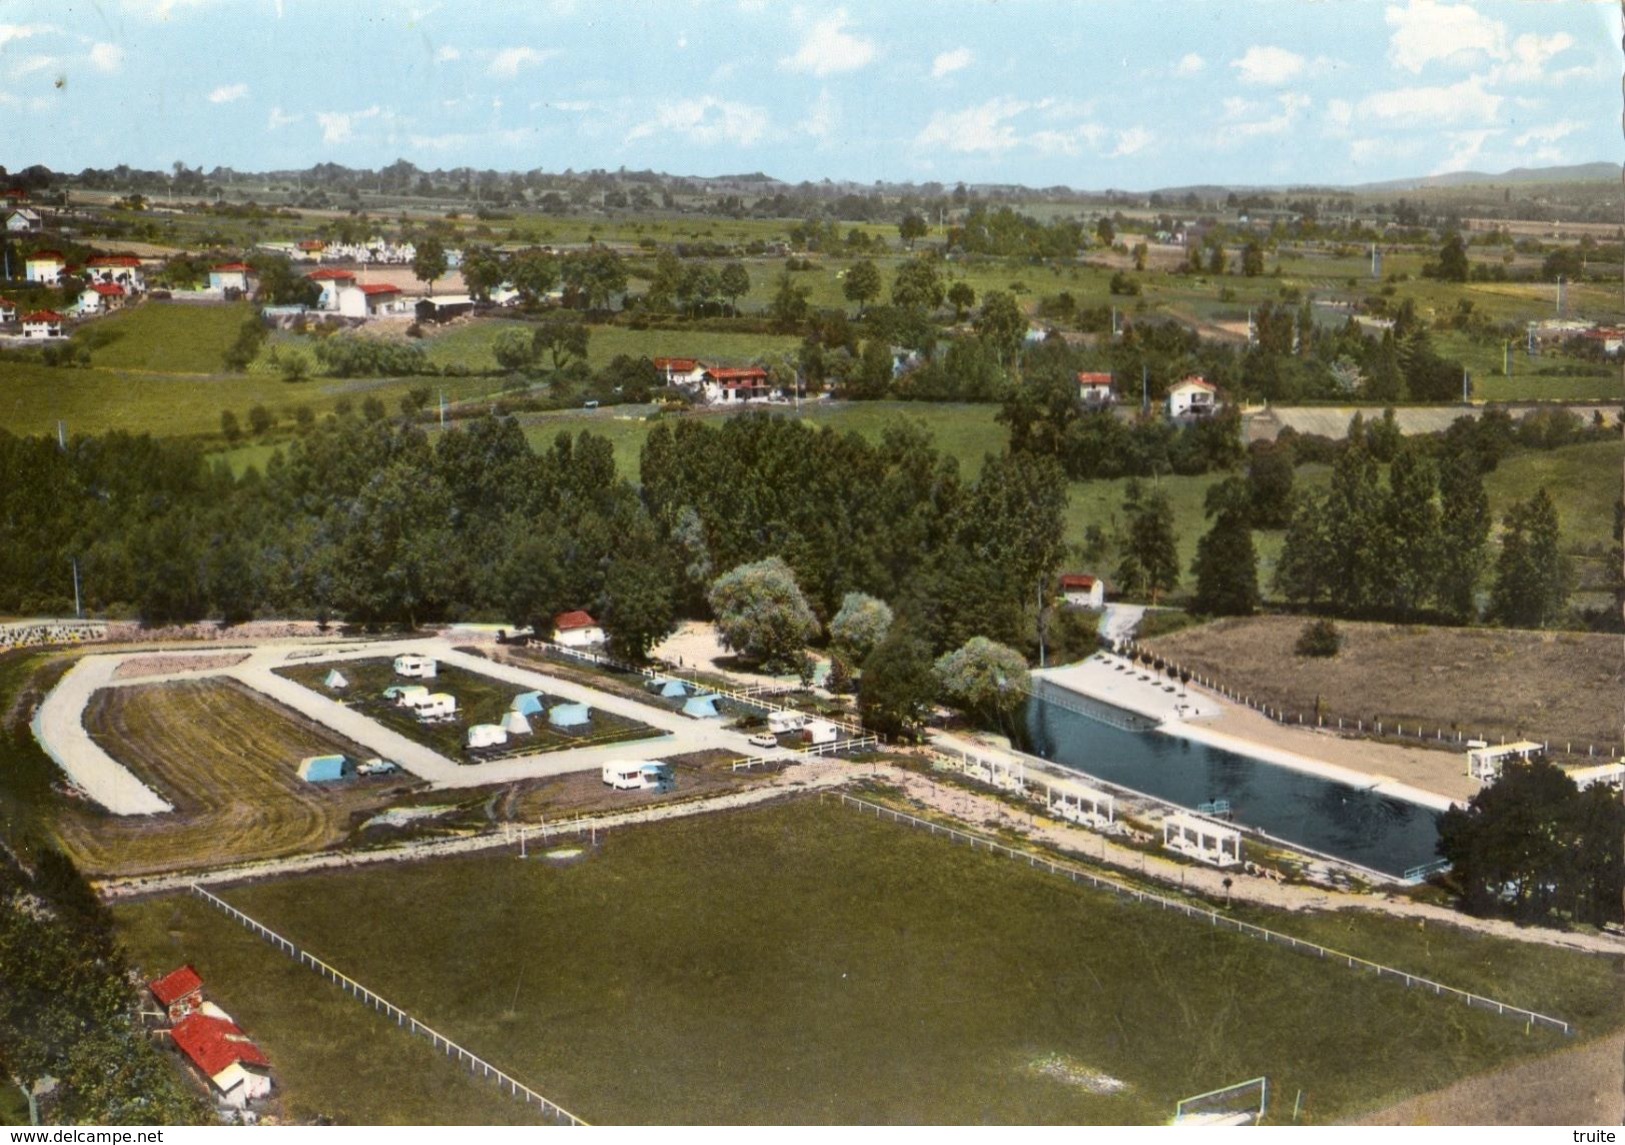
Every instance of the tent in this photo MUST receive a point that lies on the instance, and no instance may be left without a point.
(702, 707)
(528, 704)
(569, 715)
(323, 768)
(515, 724)
(335, 680)
(673, 689)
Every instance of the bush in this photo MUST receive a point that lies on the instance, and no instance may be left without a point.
(1318, 638)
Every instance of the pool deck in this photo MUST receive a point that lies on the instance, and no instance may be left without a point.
(1431, 779)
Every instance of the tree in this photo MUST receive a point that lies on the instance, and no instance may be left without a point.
(639, 607)
(917, 285)
(912, 228)
(1226, 565)
(1252, 259)
(1270, 476)
(788, 309)
(861, 624)
(1453, 259)
(1532, 574)
(1150, 560)
(1410, 532)
(561, 336)
(514, 349)
(733, 283)
(1353, 525)
(898, 685)
(1106, 230)
(229, 426)
(986, 680)
(594, 276)
(962, 297)
(534, 274)
(482, 273)
(761, 612)
(1002, 325)
(861, 284)
(1215, 259)
(1318, 638)
(429, 260)
(395, 562)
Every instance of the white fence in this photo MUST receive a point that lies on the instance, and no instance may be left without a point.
(1531, 1018)
(476, 1065)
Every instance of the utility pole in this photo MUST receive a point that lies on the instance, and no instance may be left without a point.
(1145, 388)
(61, 437)
(78, 609)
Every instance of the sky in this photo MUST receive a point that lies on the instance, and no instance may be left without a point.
(1091, 94)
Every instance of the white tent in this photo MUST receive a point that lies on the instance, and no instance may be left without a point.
(335, 680)
(515, 724)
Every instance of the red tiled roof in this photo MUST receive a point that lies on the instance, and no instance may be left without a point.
(1077, 580)
(565, 621)
(123, 260)
(737, 374)
(1087, 379)
(331, 274)
(214, 1044)
(8, 303)
(44, 255)
(176, 985)
(1200, 383)
(312, 244)
(108, 289)
(235, 266)
(679, 365)
(43, 316)
(371, 288)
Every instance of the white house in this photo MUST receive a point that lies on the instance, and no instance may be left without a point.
(118, 270)
(230, 276)
(44, 267)
(1084, 590)
(576, 630)
(100, 297)
(332, 281)
(1193, 397)
(8, 310)
(43, 324)
(1095, 389)
(726, 385)
(415, 667)
(234, 1065)
(372, 300)
(680, 371)
(23, 221)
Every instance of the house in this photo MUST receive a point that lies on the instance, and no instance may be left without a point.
(576, 630)
(118, 269)
(1193, 397)
(100, 298)
(8, 310)
(234, 1065)
(729, 385)
(331, 281)
(415, 667)
(569, 715)
(230, 276)
(1095, 390)
(1084, 590)
(324, 768)
(43, 324)
(44, 267)
(372, 300)
(680, 371)
(180, 992)
(23, 221)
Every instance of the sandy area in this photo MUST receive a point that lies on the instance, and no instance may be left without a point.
(696, 647)
(164, 665)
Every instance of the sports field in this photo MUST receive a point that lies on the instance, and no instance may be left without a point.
(803, 964)
(225, 757)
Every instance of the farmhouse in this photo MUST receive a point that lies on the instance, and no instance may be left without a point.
(44, 267)
(1095, 390)
(234, 1065)
(180, 992)
(680, 371)
(43, 324)
(331, 281)
(372, 300)
(1083, 590)
(230, 276)
(1193, 397)
(100, 298)
(576, 630)
(23, 221)
(727, 385)
(119, 269)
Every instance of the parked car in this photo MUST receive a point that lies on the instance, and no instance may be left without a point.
(764, 739)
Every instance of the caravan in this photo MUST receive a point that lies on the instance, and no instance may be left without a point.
(637, 775)
(433, 707)
(780, 722)
(418, 667)
(819, 732)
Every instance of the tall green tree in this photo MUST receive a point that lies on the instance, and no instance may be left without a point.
(1226, 565)
(429, 261)
(1532, 574)
(1002, 325)
(861, 284)
(639, 608)
(987, 680)
(761, 612)
(396, 560)
(861, 624)
(1409, 566)
(733, 283)
(562, 337)
(898, 685)
(1354, 524)
(1453, 259)
(917, 285)
(1149, 564)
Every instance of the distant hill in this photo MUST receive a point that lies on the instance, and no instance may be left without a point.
(1578, 173)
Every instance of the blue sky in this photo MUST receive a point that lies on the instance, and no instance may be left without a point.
(1087, 93)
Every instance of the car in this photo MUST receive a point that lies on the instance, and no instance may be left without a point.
(764, 739)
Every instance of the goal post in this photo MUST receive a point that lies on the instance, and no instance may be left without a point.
(1241, 1104)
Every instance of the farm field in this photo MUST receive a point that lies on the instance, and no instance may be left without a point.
(480, 700)
(225, 757)
(753, 968)
(1491, 683)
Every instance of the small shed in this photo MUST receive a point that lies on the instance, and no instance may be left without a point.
(415, 667)
(234, 1065)
(336, 681)
(323, 768)
(529, 704)
(405, 695)
(569, 715)
(702, 707)
(179, 992)
(516, 724)
(487, 735)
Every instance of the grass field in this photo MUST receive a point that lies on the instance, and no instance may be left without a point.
(469, 344)
(1583, 480)
(225, 757)
(165, 338)
(480, 700)
(757, 967)
(1491, 683)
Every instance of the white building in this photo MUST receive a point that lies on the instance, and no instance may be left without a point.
(1484, 762)
(332, 281)
(43, 324)
(8, 310)
(100, 298)
(1083, 590)
(576, 630)
(117, 270)
(23, 221)
(1095, 389)
(1193, 397)
(230, 276)
(44, 267)
(372, 300)
(234, 1065)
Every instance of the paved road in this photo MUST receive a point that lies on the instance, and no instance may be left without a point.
(59, 726)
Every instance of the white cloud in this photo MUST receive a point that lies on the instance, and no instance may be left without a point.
(1451, 104)
(10, 32)
(228, 93)
(1339, 116)
(339, 126)
(31, 64)
(823, 117)
(279, 120)
(829, 48)
(949, 62)
(1085, 136)
(984, 128)
(1189, 64)
(160, 9)
(1549, 133)
(106, 57)
(1529, 57)
(506, 63)
(1465, 148)
(1240, 125)
(446, 54)
(1129, 142)
(1425, 31)
(705, 120)
(1264, 64)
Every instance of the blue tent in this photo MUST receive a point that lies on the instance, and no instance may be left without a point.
(323, 768)
(528, 703)
(673, 689)
(702, 708)
(569, 715)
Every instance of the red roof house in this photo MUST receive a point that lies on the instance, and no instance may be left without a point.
(576, 628)
(1081, 588)
(180, 992)
(236, 1067)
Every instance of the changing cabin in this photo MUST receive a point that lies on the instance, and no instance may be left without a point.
(1202, 840)
(1485, 763)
